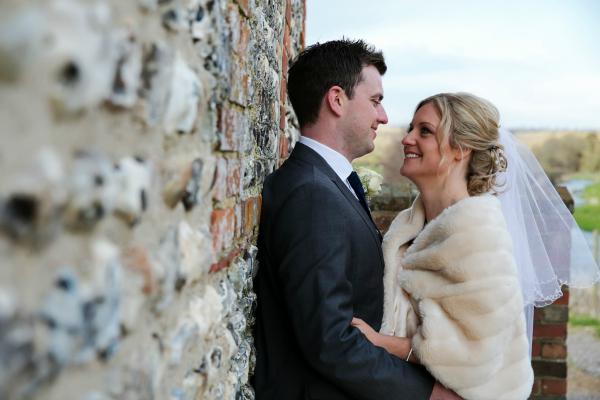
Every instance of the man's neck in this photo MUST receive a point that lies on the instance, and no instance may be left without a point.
(327, 136)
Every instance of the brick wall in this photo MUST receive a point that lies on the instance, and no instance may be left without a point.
(135, 138)
(549, 350)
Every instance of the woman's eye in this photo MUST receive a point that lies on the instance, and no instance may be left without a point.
(425, 130)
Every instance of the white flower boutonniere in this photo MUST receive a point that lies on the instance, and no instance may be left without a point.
(371, 181)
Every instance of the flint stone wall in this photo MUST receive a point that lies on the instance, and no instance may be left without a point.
(134, 140)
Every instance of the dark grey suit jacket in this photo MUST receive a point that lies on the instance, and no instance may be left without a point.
(320, 264)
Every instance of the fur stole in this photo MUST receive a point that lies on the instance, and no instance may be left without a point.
(453, 287)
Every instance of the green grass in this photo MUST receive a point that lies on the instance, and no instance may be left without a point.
(587, 217)
(578, 320)
(592, 191)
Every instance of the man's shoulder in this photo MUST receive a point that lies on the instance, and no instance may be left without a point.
(295, 173)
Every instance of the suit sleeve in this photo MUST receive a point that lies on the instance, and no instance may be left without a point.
(312, 255)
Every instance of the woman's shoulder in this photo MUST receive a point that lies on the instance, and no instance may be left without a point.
(472, 212)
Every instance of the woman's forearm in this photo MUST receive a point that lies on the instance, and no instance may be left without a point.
(398, 346)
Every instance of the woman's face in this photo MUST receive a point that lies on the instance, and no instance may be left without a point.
(421, 152)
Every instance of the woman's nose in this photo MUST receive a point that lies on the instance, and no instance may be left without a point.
(408, 139)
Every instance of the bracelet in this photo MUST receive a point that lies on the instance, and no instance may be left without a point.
(409, 353)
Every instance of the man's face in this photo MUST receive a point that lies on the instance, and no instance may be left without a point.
(365, 113)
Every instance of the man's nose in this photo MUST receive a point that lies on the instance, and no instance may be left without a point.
(382, 117)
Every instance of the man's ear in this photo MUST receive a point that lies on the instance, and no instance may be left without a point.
(336, 100)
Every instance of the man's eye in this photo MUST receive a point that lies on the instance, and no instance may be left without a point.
(376, 102)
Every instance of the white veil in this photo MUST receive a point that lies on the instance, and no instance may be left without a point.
(549, 248)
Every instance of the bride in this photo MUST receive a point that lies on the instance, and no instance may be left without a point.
(458, 296)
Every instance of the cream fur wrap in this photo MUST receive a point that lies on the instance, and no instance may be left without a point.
(455, 291)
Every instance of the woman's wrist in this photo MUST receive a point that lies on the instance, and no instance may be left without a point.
(378, 339)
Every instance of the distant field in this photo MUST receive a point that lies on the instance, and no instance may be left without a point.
(537, 138)
(385, 144)
(387, 157)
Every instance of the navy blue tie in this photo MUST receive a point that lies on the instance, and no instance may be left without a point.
(354, 181)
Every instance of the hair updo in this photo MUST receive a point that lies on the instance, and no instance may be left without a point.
(471, 122)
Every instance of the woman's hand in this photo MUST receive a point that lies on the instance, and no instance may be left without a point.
(400, 347)
(366, 330)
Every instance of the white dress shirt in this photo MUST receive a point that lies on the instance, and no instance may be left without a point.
(338, 163)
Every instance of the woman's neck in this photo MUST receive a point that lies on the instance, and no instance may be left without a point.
(437, 199)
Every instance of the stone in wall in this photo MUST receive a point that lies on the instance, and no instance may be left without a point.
(66, 46)
(31, 209)
(92, 190)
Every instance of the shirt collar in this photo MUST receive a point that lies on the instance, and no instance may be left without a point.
(340, 165)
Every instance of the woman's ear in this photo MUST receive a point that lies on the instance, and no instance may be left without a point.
(461, 154)
(336, 100)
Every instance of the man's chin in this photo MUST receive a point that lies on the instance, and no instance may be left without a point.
(369, 149)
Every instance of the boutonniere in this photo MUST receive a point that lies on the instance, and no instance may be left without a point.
(370, 180)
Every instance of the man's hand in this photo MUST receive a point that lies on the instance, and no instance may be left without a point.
(441, 392)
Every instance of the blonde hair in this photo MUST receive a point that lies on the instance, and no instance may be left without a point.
(471, 122)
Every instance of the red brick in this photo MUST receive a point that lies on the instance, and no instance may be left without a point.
(283, 146)
(281, 118)
(221, 264)
(231, 129)
(554, 350)
(286, 38)
(536, 315)
(239, 33)
(243, 5)
(249, 216)
(238, 93)
(536, 387)
(222, 228)
(558, 331)
(554, 386)
(220, 182)
(224, 262)
(283, 92)
(535, 349)
(288, 12)
(549, 368)
(234, 167)
(564, 300)
(284, 64)
(383, 220)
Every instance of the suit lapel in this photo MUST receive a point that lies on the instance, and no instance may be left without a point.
(307, 154)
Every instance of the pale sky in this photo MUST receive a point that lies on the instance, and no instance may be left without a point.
(538, 61)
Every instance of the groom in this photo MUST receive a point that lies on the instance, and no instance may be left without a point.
(319, 251)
